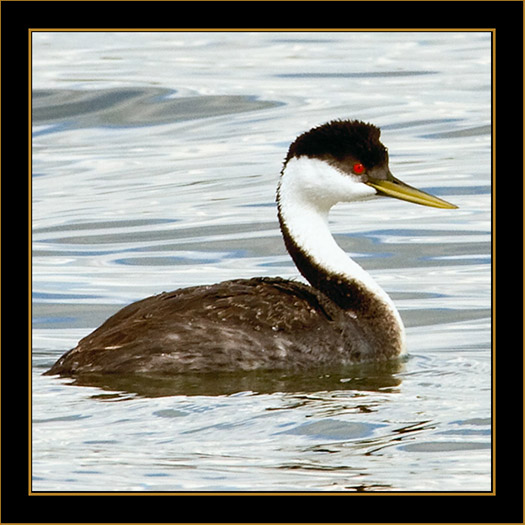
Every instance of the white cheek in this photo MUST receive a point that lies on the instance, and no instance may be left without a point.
(323, 185)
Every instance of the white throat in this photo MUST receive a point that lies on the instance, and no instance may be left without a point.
(307, 190)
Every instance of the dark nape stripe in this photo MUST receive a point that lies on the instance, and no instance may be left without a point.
(348, 295)
(376, 322)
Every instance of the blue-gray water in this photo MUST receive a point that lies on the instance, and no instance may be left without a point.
(155, 161)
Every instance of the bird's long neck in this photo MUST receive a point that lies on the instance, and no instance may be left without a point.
(303, 217)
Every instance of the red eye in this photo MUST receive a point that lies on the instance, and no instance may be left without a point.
(358, 168)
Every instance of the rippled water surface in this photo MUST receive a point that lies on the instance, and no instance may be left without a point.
(155, 162)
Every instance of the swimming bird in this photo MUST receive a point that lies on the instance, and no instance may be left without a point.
(342, 317)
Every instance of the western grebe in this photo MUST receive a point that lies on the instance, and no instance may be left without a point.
(344, 317)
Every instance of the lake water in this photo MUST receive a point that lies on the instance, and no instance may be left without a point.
(155, 162)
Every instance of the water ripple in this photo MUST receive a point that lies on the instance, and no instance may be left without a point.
(72, 109)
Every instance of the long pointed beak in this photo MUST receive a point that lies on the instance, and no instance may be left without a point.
(395, 188)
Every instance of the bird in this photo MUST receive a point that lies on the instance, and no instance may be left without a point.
(341, 317)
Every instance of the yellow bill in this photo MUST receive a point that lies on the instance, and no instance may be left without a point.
(399, 190)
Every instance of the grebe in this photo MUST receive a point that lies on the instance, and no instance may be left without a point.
(344, 317)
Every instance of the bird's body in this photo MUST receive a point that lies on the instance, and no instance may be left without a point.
(244, 324)
(271, 323)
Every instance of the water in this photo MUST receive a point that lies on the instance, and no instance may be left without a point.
(155, 161)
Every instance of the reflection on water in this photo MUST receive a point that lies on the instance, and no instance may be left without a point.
(364, 377)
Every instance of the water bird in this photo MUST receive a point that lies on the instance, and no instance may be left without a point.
(342, 317)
